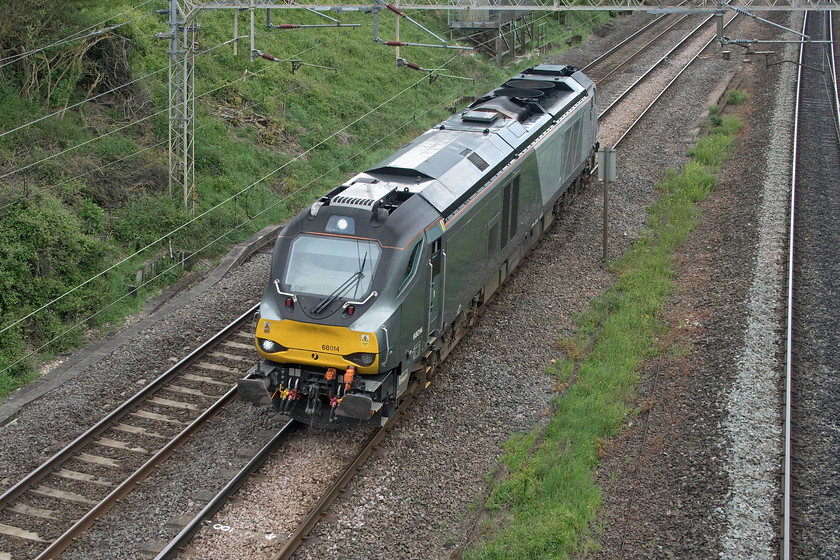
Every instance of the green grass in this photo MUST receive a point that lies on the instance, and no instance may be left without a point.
(249, 166)
(548, 505)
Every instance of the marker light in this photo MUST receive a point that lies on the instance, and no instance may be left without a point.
(363, 359)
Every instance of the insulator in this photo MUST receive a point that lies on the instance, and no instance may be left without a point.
(414, 66)
(286, 26)
(395, 43)
(394, 9)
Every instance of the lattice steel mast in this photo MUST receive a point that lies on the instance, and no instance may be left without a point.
(181, 36)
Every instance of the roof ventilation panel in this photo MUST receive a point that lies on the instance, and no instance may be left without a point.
(482, 117)
(361, 195)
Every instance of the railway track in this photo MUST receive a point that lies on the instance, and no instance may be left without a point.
(663, 72)
(812, 424)
(186, 391)
(297, 536)
(46, 510)
(623, 86)
(605, 66)
(632, 49)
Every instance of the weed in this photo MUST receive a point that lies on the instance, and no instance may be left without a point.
(737, 97)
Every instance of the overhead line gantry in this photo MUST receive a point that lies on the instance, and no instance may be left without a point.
(183, 29)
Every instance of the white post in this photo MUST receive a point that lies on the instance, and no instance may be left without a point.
(235, 30)
(253, 46)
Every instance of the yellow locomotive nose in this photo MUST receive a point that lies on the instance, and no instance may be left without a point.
(293, 342)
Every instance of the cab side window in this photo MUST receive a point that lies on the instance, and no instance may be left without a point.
(411, 266)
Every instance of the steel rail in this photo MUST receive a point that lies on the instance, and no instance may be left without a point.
(121, 491)
(212, 507)
(658, 97)
(53, 462)
(327, 499)
(69, 451)
(785, 552)
(635, 54)
(667, 87)
(624, 42)
(654, 67)
(834, 75)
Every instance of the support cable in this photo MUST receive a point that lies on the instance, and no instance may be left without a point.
(208, 211)
(402, 14)
(109, 133)
(296, 63)
(162, 142)
(5, 61)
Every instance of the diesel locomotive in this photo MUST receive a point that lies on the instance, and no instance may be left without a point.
(374, 283)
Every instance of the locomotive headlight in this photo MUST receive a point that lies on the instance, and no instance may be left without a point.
(342, 225)
(363, 359)
(269, 346)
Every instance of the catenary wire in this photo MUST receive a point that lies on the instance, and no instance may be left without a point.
(62, 111)
(80, 103)
(235, 228)
(110, 132)
(208, 211)
(112, 90)
(204, 125)
(5, 61)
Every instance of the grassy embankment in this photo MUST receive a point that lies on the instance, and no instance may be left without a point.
(276, 139)
(547, 504)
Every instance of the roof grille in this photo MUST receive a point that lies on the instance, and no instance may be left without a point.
(351, 201)
(478, 161)
(362, 194)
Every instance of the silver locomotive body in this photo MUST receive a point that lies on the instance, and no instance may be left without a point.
(375, 283)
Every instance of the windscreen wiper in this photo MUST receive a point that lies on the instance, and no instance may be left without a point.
(353, 281)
